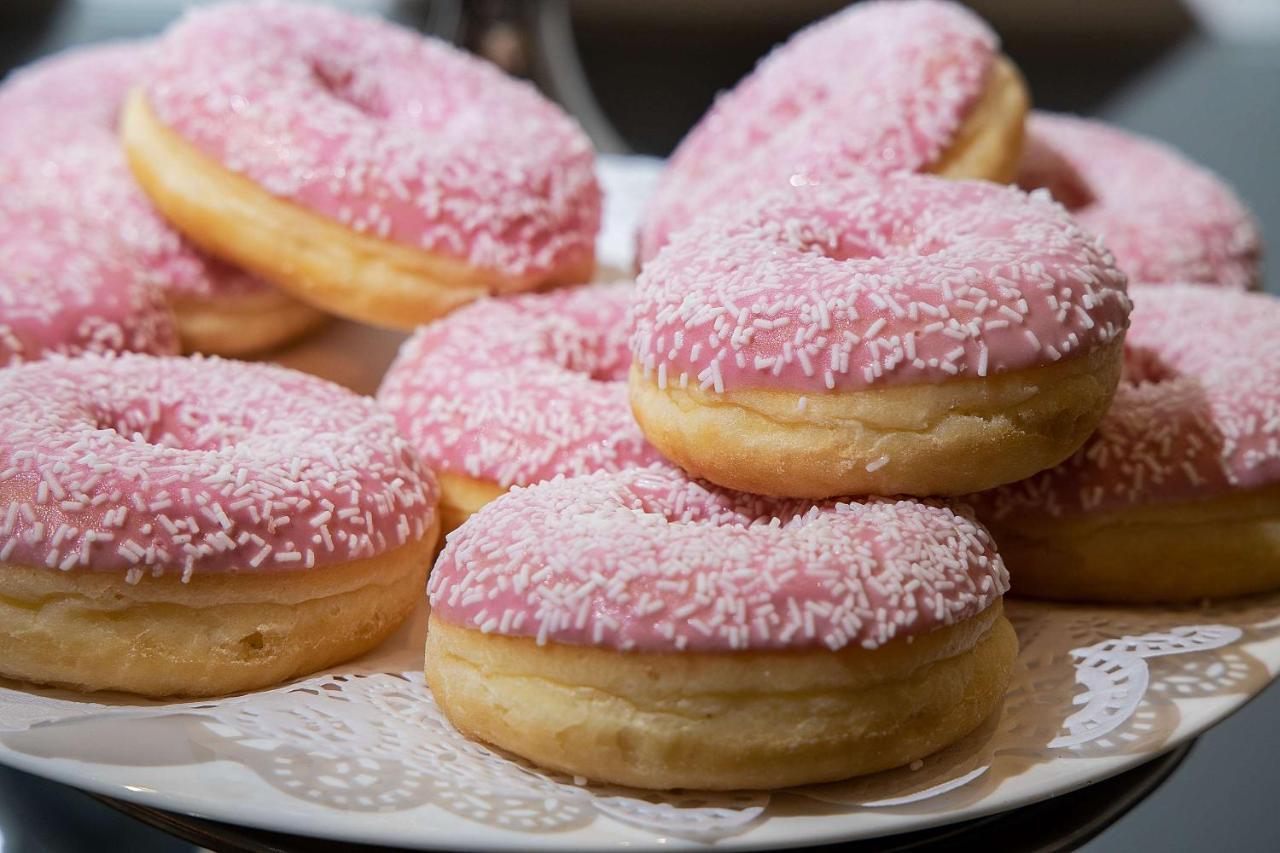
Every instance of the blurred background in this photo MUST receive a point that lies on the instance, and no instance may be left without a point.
(1203, 75)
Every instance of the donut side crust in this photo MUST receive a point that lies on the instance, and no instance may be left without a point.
(722, 721)
(989, 143)
(952, 438)
(309, 256)
(1153, 554)
(213, 635)
(243, 324)
(462, 496)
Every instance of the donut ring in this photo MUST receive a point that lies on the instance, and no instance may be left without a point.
(65, 290)
(357, 165)
(641, 629)
(162, 539)
(62, 144)
(886, 87)
(1176, 497)
(1165, 218)
(885, 335)
(514, 391)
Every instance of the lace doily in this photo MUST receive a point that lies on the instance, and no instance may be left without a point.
(369, 738)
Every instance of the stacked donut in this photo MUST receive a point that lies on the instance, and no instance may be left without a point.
(728, 526)
(750, 574)
(308, 170)
(196, 526)
(663, 594)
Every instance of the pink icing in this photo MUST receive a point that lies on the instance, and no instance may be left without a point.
(1197, 416)
(1165, 218)
(60, 142)
(64, 287)
(880, 86)
(646, 559)
(136, 464)
(871, 281)
(518, 390)
(389, 133)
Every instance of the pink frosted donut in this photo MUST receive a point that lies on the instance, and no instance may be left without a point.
(60, 143)
(182, 502)
(665, 564)
(898, 334)
(65, 289)
(1165, 218)
(905, 86)
(396, 176)
(607, 602)
(1177, 494)
(511, 392)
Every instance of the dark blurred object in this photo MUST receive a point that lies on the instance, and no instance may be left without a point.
(656, 66)
(1219, 103)
(37, 816)
(32, 28)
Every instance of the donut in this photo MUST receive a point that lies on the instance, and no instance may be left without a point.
(639, 628)
(883, 335)
(195, 527)
(60, 141)
(883, 86)
(1176, 497)
(1165, 218)
(370, 171)
(65, 290)
(510, 392)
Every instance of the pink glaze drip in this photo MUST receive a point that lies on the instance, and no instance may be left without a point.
(872, 281)
(646, 559)
(147, 466)
(1165, 218)
(386, 132)
(60, 142)
(1197, 416)
(881, 87)
(518, 390)
(65, 289)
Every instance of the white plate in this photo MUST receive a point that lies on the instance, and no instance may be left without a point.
(361, 754)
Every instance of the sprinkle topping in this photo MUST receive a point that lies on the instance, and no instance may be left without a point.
(389, 133)
(1165, 218)
(60, 142)
(518, 390)
(873, 281)
(1196, 416)
(147, 466)
(646, 559)
(880, 86)
(64, 287)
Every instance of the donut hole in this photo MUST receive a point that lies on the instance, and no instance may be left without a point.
(706, 504)
(592, 355)
(849, 242)
(597, 367)
(135, 424)
(1145, 366)
(342, 83)
(817, 237)
(177, 427)
(605, 372)
(1043, 168)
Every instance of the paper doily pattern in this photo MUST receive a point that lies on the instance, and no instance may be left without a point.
(1089, 681)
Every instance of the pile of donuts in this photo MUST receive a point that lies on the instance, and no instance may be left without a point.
(741, 523)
